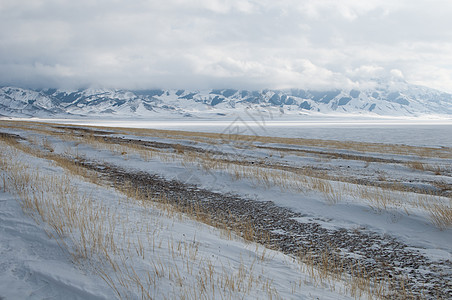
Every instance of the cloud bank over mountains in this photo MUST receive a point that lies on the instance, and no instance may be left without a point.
(221, 44)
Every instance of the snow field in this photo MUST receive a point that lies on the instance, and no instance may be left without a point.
(341, 205)
(140, 250)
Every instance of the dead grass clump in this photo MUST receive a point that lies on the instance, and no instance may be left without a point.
(46, 144)
(328, 267)
(332, 195)
(438, 209)
(179, 149)
(416, 165)
(441, 215)
(379, 199)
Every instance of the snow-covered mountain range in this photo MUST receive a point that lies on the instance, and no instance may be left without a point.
(386, 99)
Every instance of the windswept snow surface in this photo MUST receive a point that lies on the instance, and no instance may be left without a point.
(33, 266)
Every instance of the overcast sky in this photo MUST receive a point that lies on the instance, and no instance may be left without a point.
(200, 44)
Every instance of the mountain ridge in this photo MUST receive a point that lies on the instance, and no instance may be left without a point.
(386, 99)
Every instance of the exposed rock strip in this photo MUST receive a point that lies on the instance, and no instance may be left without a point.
(381, 258)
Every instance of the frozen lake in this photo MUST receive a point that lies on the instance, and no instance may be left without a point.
(411, 132)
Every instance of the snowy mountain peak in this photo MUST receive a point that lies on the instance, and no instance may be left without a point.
(388, 98)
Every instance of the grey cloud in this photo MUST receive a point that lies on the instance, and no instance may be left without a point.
(207, 44)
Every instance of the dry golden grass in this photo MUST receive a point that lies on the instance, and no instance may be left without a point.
(439, 210)
(332, 268)
(434, 168)
(416, 165)
(441, 215)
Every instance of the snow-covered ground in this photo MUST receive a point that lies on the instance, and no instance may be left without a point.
(34, 266)
(35, 274)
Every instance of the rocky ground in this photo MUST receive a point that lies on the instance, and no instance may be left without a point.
(380, 258)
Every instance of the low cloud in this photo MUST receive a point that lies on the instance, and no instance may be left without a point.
(209, 44)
